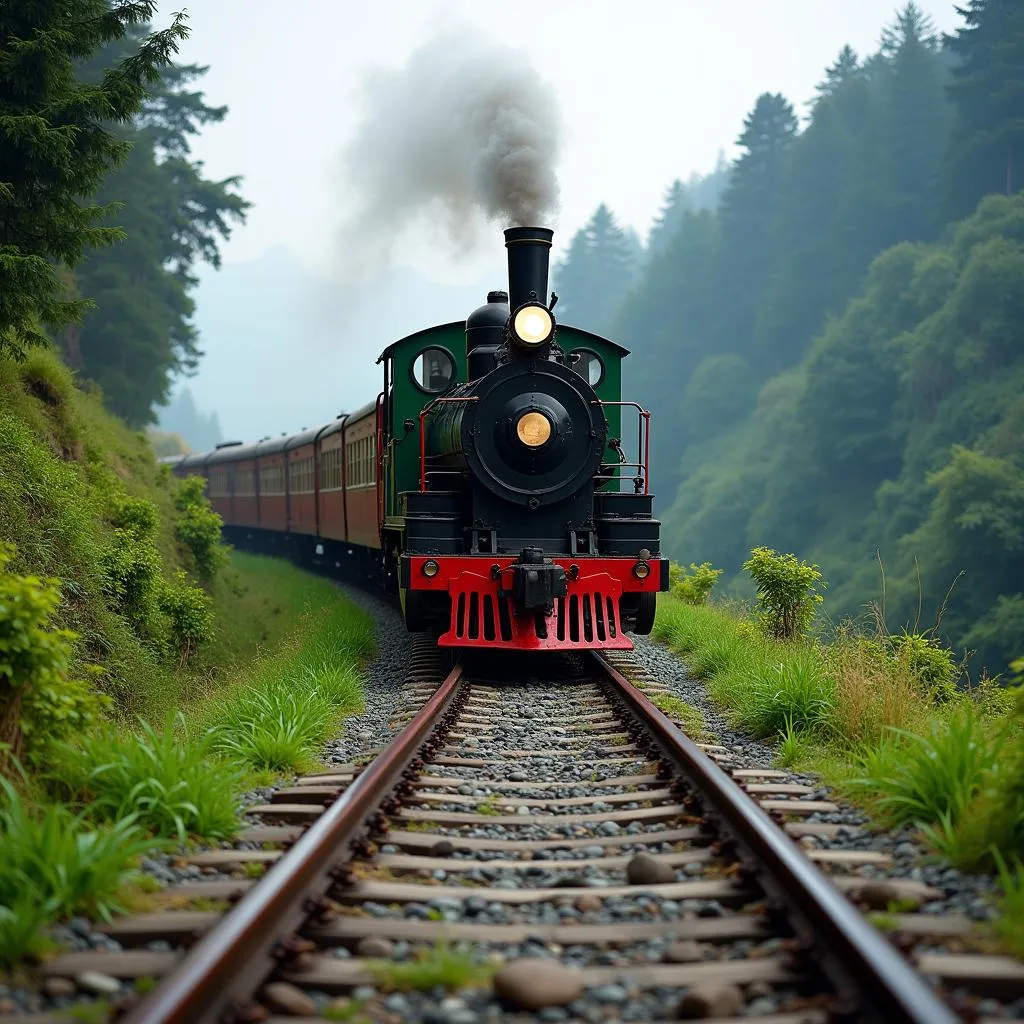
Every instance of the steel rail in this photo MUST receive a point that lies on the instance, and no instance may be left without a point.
(218, 973)
(884, 980)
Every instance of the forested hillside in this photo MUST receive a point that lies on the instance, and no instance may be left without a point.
(832, 349)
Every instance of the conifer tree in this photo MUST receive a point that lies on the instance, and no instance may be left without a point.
(748, 214)
(986, 151)
(56, 146)
(140, 334)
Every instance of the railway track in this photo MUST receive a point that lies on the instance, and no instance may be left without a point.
(570, 830)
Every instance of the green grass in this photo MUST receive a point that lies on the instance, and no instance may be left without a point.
(438, 966)
(1010, 924)
(864, 716)
(55, 864)
(172, 787)
(278, 712)
(691, 718)
(909, 778)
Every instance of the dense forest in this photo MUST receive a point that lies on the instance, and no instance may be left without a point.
(104, 214)
(828, 332)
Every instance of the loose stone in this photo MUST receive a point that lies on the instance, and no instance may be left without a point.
(373, 948)
(708, 1000)
(643, 869)
(685, 951)
(285, 998)
(533, 983)
(100, 984)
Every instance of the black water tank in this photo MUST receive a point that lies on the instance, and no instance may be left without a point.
(485, 330)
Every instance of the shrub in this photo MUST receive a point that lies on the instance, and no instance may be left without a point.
(132, 576)
(786, 591)
(38, 702)
(925, 660)
(693, 587)
(189, 612)
(199, 528)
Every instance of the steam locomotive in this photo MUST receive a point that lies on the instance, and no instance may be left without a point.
(487, 486)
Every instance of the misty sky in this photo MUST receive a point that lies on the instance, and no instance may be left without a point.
(649, 90)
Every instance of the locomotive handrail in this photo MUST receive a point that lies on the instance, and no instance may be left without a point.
(424, 412)
(643, 439)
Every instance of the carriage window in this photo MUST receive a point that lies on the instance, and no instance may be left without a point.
(588, 365)
(433, 370)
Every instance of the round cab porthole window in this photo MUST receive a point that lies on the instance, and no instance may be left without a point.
(433, 370)
(588, 365)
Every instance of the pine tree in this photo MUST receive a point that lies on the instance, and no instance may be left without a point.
(597, 272)
(56, 148)
(748, 216)
(986, 152)
(140, 333)
(665, 225)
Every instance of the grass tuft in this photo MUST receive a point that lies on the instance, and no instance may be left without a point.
(439, 966)
(171, 787)
(913, 779)
(54, 864)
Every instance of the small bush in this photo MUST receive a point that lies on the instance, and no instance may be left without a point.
(39, 703)
(786, 592)
(173, 788)
(925, 660)
(189, 613)
(53, 865)
(695, 586)
(132, 579)
(199, 528)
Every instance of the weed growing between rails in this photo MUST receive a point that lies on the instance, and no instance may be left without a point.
(879, 716)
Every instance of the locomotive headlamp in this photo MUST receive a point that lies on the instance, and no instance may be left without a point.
(533, 429)
(532, 324)
(430, 567)
(641, 570)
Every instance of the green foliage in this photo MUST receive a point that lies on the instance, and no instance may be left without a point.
(189, 612)
(919, 779)
(141, 334)
(795, 693)
(601, 259)
(198, 527)
(786, 591)
(926, 660)
(53, 865)
(695, 586)
(171, 787)
(439, 966)
(987, 146)
(281, 725)
(54, 149)
(1010, 924)
(41, 703)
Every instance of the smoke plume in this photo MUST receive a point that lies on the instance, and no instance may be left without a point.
(464, 135)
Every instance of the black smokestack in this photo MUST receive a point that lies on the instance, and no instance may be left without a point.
(528, 252)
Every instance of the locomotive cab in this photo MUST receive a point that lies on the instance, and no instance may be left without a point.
(513, 516)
